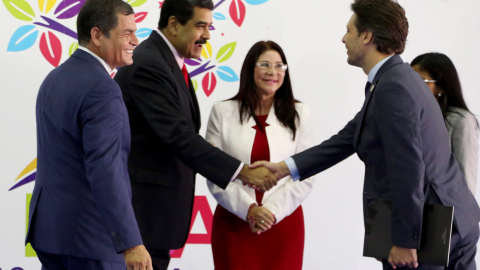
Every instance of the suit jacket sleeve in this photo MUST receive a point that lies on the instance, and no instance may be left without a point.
(286, 199)
(233, 198)
(397, 118)
(328, 153)
(101, 119)
(153, 90)
(464, 142)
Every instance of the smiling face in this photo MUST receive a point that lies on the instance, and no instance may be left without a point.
(268, 81)
(117, 51)
(190, 38)
(354, 43)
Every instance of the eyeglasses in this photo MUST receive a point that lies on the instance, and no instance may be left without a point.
(426, 80)
(267, 66)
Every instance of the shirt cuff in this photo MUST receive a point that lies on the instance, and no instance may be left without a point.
(235, 174)
(293, 169)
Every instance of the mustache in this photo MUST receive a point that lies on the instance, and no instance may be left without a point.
(201, 41)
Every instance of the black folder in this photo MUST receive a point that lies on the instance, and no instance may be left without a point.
(435, 238)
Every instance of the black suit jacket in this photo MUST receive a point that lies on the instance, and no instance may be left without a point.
(166, 149)
(401, 137)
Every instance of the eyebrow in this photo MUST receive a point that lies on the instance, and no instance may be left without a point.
(202, 22)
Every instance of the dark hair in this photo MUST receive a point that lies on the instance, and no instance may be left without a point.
(102, 14)
(441, 69)
(387, 22)
(182, 9)
(247, 95)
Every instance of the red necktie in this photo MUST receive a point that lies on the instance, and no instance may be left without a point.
(185, 74)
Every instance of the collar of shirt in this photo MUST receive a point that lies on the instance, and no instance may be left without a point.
(375, 69)
(175, 52)
(107, 67)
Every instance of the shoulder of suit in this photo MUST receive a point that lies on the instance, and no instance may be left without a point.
(460, 117)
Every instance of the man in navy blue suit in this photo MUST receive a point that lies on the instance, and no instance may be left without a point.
(81, 215)
(401, 137)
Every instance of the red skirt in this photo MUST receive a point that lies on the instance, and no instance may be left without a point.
(235, 247)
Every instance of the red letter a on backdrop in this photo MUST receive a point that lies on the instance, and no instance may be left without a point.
(200, 206)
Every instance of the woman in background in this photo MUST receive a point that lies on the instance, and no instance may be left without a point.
(441, 77)
(253, 230)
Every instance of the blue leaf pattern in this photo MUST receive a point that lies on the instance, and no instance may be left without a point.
(227, 74)
(143, 32)
(219, 16)
(256, 2)
(22, 39)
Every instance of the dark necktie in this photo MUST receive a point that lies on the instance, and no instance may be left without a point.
(367, 88)
(185, 74)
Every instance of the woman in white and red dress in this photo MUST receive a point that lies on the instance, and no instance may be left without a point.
(252, 230)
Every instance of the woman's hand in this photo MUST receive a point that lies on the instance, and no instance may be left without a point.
(260, 219)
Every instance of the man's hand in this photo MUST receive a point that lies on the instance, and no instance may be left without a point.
(261, 178)
(137, 258)
(403, 257)
(280, 170)
(263, 219)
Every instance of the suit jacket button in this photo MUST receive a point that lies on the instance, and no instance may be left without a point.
(114, 234)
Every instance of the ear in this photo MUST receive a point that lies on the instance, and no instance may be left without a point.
(173, 25)
(96, 36)
(367, 37)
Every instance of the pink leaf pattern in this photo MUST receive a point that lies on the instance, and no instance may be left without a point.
(140, 16)
(209, 82)
(237, 12)
(51, 48)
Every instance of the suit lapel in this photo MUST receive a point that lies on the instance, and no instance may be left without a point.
(395, 60)
(178, 75)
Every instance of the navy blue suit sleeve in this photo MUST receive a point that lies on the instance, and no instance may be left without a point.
(398, 119)
(102, 121)
(328, 153)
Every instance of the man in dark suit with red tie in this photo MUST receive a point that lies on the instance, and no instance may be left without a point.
(401, 137)
(167, 150)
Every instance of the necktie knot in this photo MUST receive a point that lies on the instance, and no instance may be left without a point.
(367, 88)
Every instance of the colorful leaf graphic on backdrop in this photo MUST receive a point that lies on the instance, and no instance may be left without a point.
(207, 50)
(72, 48)
(136, 3)
(227, 74)
(46, 5)
(255, 2)
(143, 32)
(211, 27)
(23, 38)
(226, 52)
(219, 16)
(193, 61)
(20, 9)
(195, 85)
(69, 8)
(51, 48)
(237, 12)
(140, 16)
(209, 82)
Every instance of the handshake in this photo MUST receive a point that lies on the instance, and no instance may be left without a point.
(263, 175)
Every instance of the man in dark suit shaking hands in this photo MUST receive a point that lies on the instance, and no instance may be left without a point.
(81, 216)
(167, 150)
(401, 137)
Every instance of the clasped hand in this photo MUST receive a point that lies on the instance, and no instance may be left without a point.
(260, 219)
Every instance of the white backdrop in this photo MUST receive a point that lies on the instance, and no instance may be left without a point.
(309, 31)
